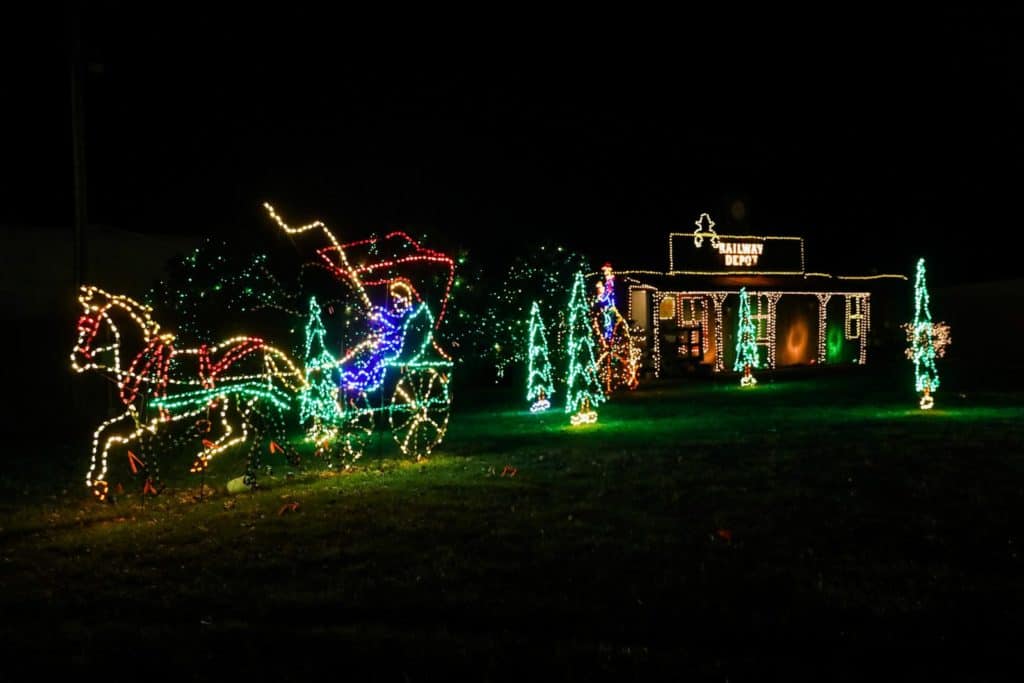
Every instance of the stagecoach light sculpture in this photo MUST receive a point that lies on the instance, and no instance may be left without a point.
(239, 390)
(399, 356)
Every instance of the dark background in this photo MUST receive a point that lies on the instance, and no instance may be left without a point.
(879, 138)
(861, 536)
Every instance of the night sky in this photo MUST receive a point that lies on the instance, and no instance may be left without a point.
(880, 139)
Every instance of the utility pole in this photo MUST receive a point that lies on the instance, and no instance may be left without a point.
(79, 236)
(78, 146)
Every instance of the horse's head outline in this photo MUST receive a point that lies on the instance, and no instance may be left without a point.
(96, 303)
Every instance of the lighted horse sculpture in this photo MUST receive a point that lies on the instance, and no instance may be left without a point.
(242, 376)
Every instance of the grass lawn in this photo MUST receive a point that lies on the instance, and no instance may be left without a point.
(819, 528)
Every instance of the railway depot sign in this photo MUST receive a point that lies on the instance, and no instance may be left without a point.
(740, 254)
(705, 252)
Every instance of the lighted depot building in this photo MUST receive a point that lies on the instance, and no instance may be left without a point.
(686, 316)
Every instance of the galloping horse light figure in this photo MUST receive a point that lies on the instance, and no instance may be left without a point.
(241, 375)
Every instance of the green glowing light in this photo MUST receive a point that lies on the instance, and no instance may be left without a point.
(195, 400)
(834, 344)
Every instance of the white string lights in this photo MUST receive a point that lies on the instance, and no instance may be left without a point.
(854, 316)
(865, 328)
(823, 299)
(719, 299)
(857, 322)
(656, 298)
(772, 299)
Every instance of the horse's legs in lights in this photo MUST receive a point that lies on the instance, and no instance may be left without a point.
(252, 418)
(104, 435)
(265, 421)
(274, 427)
(229, 437)
(150, 466)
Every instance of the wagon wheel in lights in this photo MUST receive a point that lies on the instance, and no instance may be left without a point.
(357, 425)
(419, 411)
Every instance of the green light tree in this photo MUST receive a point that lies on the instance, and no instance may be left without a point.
(318, 403)
(583, 387)
(927, 341)
(746, 342)
(539, 387)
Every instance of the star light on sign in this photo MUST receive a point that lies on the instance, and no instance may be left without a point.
(705, 228)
